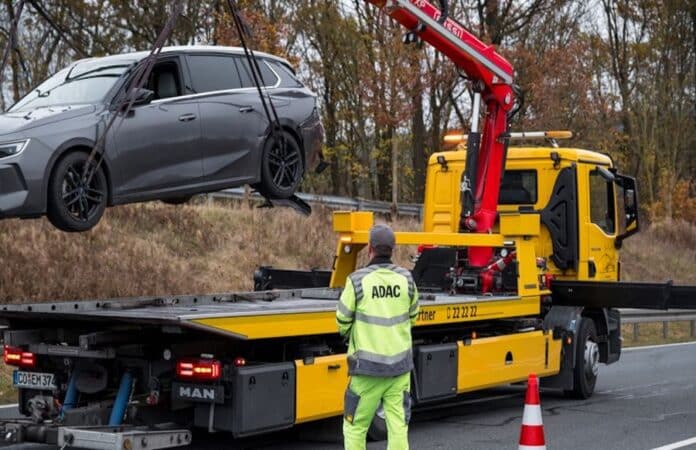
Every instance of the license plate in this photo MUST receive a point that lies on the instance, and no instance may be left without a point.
(33, 380)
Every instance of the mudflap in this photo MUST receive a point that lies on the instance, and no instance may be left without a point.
(614, 338)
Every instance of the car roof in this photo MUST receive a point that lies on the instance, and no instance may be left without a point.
(188, 49)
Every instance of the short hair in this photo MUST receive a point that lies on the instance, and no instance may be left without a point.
(382, 250)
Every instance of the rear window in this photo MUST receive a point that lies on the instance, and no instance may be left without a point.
(213, 73)
(267, 75)
(519, 187)
(286, 73)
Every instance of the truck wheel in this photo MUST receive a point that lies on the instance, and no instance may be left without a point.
(378, 427)
(75, 203)
(586, 361)
(282, 167)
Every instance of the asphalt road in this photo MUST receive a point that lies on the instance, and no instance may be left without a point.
(645, 401)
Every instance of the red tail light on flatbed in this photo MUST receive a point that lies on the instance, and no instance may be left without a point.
(198, 369)
(15, 356)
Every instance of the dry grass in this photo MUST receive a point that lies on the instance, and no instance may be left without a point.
(156, 249)
(8, 393)
(664, 251)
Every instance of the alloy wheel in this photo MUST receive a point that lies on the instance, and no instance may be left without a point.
(284, 162)
(81, 192)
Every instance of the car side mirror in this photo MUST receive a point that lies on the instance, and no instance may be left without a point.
(143, 96)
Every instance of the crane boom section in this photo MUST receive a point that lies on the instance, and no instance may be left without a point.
(476, 59)
(492, 77)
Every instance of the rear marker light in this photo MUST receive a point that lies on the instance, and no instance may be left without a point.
(17, 357)
(239, 362)
(199, 369)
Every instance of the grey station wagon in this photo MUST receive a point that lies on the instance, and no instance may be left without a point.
(199, 126)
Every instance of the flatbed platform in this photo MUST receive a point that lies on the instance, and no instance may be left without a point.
(258, 315)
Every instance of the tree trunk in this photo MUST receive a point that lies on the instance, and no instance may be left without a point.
(418, 145)
(395, 176)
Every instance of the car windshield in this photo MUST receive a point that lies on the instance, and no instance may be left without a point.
(85, 82)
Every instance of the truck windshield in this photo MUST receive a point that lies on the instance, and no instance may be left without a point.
(86, 82)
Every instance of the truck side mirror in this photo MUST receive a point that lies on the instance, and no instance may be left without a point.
(628, 196)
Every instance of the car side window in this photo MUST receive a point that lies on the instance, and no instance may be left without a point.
(269, 78)
(165, 80)
(213, 73)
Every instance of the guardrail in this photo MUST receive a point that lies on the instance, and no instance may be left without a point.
(333, 202)
(638, 316)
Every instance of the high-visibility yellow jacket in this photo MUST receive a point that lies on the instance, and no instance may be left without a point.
(377, 308)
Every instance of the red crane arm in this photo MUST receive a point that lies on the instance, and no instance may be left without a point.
(492, 77)
(477, 59)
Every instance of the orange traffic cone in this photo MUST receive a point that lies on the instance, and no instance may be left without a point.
(532, 433)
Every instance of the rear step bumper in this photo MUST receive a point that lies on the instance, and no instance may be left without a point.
(96, 437)
(117, 438)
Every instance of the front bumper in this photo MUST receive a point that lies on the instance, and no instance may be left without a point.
(22, 179)
(13, 190)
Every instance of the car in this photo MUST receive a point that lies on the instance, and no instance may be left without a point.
(197, 126)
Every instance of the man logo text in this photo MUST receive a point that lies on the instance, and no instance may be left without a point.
(197, 393)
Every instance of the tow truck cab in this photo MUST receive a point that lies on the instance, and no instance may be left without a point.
(585, 208)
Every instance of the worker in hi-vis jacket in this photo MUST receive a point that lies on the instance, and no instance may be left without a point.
(378, 306)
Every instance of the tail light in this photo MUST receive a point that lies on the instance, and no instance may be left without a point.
(17, 357)
(198, 369)
(239, 362)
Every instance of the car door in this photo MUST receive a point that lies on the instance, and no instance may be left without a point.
(158, 148)
(232, 120)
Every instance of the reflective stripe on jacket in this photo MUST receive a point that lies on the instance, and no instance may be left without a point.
(376, 311)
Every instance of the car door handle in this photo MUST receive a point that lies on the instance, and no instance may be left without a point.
(187, 117)
(246, 109)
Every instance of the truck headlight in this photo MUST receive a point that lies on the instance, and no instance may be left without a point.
(12, 148)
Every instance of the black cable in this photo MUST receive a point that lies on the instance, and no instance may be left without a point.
(444, 11)
(269, 109)
(43, 13)
(125, 102)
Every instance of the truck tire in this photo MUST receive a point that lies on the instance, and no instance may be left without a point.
(586, 361)
(378, 428)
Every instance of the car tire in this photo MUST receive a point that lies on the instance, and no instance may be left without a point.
(282, 167)
(586, 361)
(74, 203)
(177, 200)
